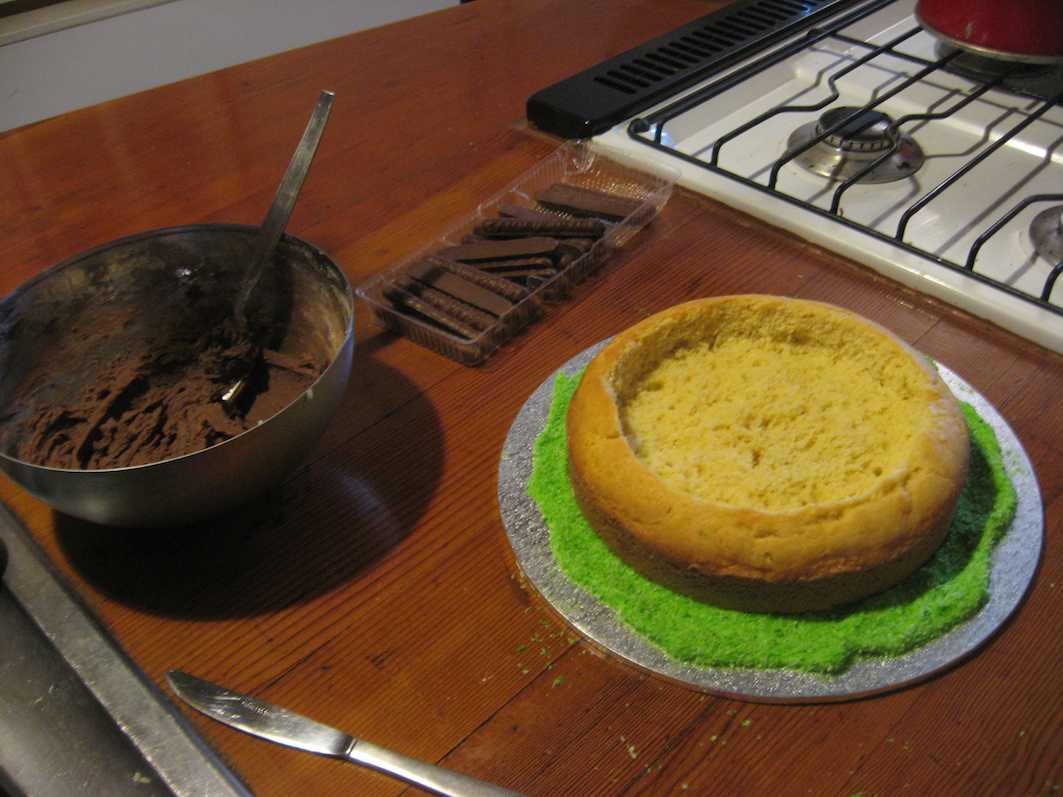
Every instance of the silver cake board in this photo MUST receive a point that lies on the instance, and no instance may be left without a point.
(1014, 564)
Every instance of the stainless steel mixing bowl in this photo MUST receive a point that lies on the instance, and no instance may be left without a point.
(43, 323)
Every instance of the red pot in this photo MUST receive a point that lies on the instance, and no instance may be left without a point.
(1016, 30)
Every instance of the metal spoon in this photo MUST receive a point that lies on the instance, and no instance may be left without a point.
(272, 229)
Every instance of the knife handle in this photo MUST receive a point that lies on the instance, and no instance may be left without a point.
(419, 773)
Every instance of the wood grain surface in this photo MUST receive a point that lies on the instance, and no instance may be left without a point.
(374, 590)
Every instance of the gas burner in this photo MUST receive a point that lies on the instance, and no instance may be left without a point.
(847, 151)
(1046, 232)
(977, 66)
(1042, 81)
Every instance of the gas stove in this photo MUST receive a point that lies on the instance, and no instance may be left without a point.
(851, 126)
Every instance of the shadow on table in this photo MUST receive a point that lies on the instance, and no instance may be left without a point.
(358, 497)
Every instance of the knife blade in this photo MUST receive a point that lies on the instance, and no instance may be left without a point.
(281, 726)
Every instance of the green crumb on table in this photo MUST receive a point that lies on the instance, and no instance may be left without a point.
(558, 681)
(947, 590)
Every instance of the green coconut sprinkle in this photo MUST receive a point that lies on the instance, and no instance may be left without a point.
(950, 588)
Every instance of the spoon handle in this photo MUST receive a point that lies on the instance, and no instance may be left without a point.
(287, 193)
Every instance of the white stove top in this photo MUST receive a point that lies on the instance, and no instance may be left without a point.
(1030, 163)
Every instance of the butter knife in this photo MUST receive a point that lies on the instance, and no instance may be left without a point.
(250, 715)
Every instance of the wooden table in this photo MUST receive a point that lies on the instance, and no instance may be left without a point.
(375, 590)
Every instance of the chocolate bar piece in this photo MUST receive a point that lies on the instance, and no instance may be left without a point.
(553, 228)
(440, 277)
(478, 277)
(465, 313)
(587, 202)
(511, 211)
(576, 246)
(500, 267)
(523, 273)
(402, 300)
(500, 250)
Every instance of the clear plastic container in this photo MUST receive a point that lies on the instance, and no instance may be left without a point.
(572, 163)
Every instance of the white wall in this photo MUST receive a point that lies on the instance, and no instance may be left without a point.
(79, 66)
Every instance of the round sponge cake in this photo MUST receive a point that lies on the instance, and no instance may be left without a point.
(766, 454)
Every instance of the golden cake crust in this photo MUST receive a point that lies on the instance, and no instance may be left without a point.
(752, 555)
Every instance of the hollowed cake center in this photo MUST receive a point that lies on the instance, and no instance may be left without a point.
(770, 413)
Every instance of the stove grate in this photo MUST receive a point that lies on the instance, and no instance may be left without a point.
(650, 130)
